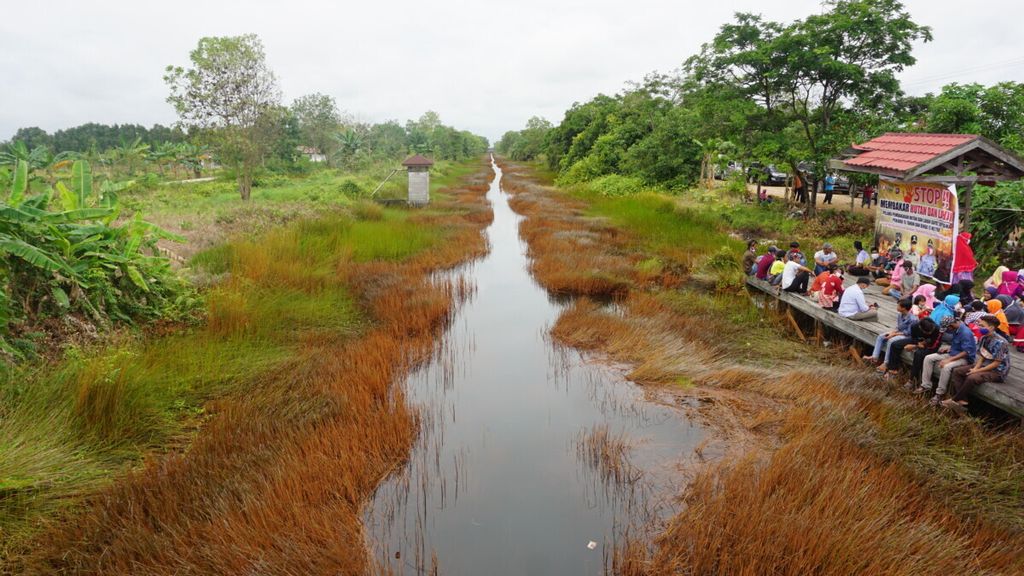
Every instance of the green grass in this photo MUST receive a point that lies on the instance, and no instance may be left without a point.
(69, 428)
(661, 224)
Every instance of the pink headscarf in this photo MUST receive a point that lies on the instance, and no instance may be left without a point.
(928, 291)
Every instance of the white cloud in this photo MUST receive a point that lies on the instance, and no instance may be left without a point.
(483, 66)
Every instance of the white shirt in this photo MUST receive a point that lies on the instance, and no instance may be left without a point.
(862, 257)
(852, 302)
(829, 258)
(789, 273)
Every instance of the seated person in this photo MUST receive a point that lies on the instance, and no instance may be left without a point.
(920, 308)
(995, 279)
(794, 248)
(852, 304)
(878, 264)
(992, 365)
(750, 258)
(775, 272)
(962, 351)
(831, 288)
(995, 308)
(824, 257)
(974, 312)
(1010, 286)
(901, 334)
(795, 276)
(764, 264)
(906, 284)
(948, 307)
(928, 342)
(861, 261)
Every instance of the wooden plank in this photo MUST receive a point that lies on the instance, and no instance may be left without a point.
(1008, 396)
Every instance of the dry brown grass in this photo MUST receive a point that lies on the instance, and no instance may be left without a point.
(275, 481)
(816, 477)
(571, 253)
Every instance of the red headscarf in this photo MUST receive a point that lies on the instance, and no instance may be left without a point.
(963, 260)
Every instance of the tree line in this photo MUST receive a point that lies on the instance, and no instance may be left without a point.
(232, 115)
(231, 98)
(94, 136)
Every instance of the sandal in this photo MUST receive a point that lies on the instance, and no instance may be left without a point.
(954, 406)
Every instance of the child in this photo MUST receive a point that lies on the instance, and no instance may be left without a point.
(920, 308)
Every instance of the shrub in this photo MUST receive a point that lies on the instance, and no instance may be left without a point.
(616, 185)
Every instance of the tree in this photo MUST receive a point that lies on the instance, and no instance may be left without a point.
(805, 74)
(387, 139)
(131, 154)
(318, 120)
(227, 91)
(996, 112)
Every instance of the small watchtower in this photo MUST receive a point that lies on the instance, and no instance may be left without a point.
(419, 179)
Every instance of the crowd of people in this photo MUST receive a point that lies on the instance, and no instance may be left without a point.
(957, 340)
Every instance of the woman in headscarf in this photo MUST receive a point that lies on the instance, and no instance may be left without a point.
(995, 308)
(996, 278)
(946, 308)
(963, 259)
(928, 291)
(1010, 285)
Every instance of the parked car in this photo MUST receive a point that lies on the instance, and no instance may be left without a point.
(768, 175)
(842, 185)
(728, 171)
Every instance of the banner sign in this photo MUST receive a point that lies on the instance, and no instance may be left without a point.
(921, 220)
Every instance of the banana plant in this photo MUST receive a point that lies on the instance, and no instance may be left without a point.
(71, 255)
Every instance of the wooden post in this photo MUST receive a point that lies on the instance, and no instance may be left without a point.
(855, 354)
(795, 325)
(965, 212)
(853, 192)
(819, 332)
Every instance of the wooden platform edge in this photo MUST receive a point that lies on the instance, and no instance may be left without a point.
(990, 393)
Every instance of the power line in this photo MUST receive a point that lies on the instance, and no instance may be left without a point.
(1013, 63)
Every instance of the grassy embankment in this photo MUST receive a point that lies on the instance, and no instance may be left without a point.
(826, 470)
(270, 422)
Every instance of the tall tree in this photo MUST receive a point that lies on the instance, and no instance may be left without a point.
(227, 91)
(996, 112)
(319, 120)
(805, 74)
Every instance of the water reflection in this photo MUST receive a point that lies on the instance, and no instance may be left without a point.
(530, 460)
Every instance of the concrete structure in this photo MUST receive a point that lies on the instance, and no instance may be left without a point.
(419, 179)
(313, 154)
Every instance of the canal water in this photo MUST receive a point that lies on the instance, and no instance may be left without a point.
(507, 476)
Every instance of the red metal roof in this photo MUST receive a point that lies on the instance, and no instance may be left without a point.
(902, 152)
(417, 160)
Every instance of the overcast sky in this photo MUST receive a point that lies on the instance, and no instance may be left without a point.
(483, 66)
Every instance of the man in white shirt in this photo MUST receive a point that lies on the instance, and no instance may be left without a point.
(795, 276)
(824, 257)
(853, 305)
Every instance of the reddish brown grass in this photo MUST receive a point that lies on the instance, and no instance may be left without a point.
(275, 481)
(798, 490)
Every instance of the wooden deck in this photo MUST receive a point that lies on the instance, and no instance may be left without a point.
(1008, 396)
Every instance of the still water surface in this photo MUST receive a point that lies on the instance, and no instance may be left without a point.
(499, 481)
